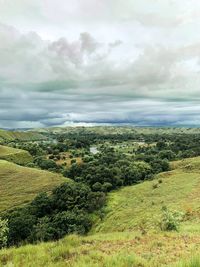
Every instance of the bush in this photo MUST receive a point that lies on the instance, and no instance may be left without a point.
(3, 233)
(170, 220)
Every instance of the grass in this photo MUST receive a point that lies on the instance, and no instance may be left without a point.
(141, 204)
(19, 185)
(22, 136)
(129, 235)
(133, 206)
(119, 250)
(18, 156)
(193, 262)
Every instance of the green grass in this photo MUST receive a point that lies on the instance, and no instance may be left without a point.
(19, 185)
(132, 206)
(139, 204)
(18, 156)
(22, 136)
(119, 250)
(129, 235)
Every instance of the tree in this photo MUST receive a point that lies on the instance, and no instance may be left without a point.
(68, 196)
(70, 222)
(167, 154)
(41, 205)
(170, 220)
(20, 223)
(43, 230)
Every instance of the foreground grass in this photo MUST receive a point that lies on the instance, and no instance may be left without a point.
(19, 185)
(112, 250)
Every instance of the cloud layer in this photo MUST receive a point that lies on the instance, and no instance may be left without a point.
(99, 61)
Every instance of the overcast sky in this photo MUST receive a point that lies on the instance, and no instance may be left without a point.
(90, 61)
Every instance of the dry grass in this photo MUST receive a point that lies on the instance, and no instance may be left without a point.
(18, 156)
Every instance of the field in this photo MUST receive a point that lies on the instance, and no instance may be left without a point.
(18, 185)
(17, 156)
(129, 234)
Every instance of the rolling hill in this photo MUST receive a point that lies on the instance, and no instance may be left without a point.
(19, 185)
(19, 135)
(17, 156)
(129, 234)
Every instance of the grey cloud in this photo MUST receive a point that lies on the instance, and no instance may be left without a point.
(148, 73)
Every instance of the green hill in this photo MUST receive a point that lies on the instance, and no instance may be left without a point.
(129, 235)
(17, 156)
(19, 135)
(19, 185)
(141, 204)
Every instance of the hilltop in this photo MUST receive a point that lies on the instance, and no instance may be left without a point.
(129, 234)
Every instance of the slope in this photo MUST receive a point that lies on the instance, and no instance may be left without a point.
(18, 156)
(19, 135)
(19, 185)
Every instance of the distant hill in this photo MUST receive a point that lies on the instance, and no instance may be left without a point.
(20, 135)
(19, 185)
(18, 156)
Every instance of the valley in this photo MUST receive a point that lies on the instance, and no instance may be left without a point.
(144, 207)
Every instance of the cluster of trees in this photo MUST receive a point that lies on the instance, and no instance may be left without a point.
(109, 170)
(49, 217)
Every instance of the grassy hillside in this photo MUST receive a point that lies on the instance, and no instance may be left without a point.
(129, 235)
(132, 206)
(19, 185)
(18, 156)
(22, 136)
(139, 205)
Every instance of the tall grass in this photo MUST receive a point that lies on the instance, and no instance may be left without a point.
(193, 262)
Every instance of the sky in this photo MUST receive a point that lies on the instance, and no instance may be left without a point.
(84, 62)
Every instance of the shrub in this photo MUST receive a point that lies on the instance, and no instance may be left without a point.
(3, 233)
(170, 220)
